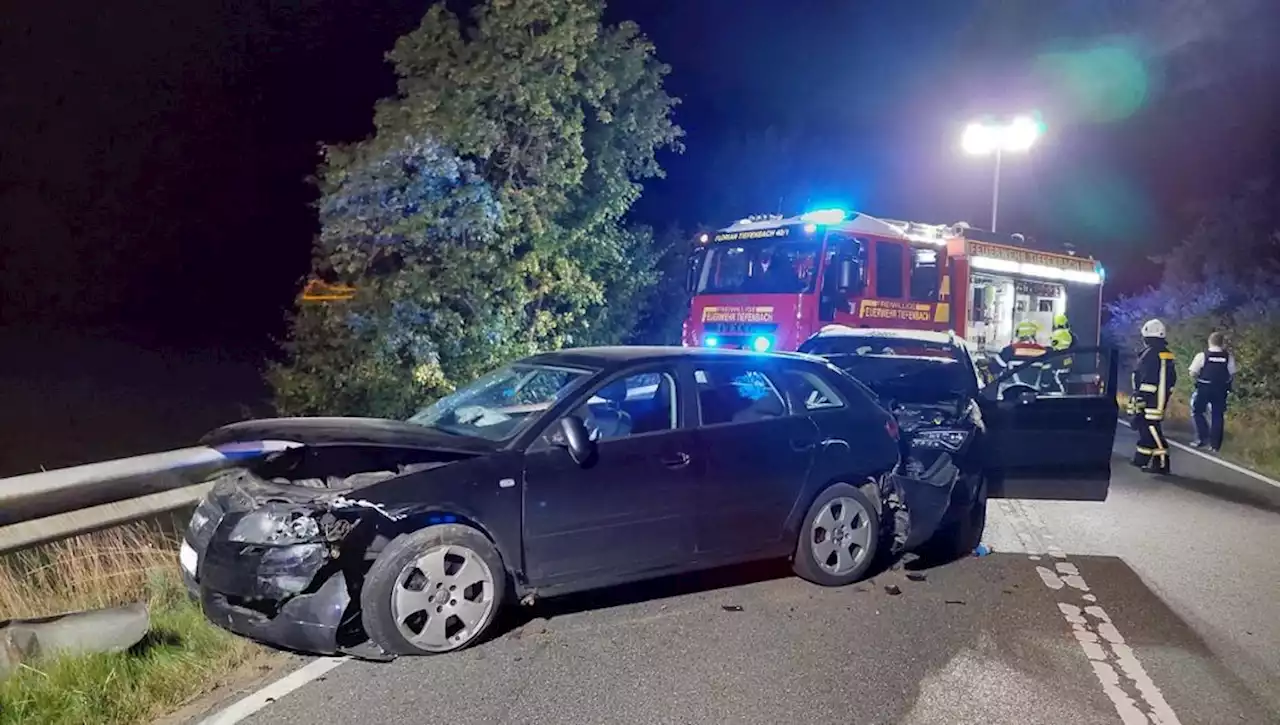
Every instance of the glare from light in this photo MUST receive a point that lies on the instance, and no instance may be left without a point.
(824, 216)
(703, 238)
(810, 228)
(711, 341)
(992, 264)
(761, 343)
(1019, 135)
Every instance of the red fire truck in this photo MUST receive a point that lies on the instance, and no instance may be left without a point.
(769, 282)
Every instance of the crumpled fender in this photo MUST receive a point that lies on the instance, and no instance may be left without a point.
(920, 503)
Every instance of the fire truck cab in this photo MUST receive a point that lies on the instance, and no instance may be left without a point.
(768, 282)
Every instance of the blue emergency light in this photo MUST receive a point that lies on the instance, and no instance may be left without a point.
(711, 341)
(824, 216)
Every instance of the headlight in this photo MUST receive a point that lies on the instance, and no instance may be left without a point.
(199, 519)
(275, 527)
(950, 440)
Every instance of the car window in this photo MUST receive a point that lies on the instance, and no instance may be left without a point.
(631, 405)
(737, 393)
(810, 391)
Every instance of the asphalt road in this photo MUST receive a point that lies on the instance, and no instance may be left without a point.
(1161, 605)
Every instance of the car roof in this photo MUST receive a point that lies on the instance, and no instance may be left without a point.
(620, 355)
(933, 336)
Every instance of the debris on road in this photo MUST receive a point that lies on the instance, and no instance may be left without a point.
(892, 590)
(954, 601)
(916, 576)
(731, 607)
(982, 550)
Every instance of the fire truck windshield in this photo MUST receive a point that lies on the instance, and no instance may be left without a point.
(758, 267)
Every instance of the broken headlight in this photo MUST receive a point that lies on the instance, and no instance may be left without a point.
(267, 526)
(944, 439)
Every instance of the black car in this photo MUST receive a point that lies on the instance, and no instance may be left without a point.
(562, 472)
(1022, 435)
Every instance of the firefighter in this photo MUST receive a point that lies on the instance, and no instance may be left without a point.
(1025, 347)
(1153, 379)
(1213, 370)
(1060, 339)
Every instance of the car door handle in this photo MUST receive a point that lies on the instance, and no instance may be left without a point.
(678, 460)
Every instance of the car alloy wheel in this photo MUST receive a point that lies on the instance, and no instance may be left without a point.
(432, 591)
(840, 536)
(442, 598)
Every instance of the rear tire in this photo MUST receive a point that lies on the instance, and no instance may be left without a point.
(432, 591)
(838, 538)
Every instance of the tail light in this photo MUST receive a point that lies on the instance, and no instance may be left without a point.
(891, 426)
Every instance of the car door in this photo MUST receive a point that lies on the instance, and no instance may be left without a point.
(758, 457)
(628, 510)
(1051, 425)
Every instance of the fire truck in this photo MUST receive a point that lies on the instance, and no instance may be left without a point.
(768, 282)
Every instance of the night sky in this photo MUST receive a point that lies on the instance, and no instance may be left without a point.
(153, 156)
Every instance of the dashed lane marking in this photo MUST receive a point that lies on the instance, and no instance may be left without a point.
(1137, 699)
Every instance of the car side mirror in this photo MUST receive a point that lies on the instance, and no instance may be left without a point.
(575, 439)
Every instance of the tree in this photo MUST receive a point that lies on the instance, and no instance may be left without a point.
(484, 218)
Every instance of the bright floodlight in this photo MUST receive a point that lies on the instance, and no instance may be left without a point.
(1020, 134)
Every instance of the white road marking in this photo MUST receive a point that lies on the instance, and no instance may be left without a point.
(1137, 699)
(242, 709)
(1220, 461)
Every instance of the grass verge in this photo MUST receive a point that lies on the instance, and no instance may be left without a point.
(1251, 439)
(182, 658)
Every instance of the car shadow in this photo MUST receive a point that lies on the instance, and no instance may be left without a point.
(664, 588)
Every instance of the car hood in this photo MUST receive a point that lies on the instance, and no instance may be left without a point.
(342, 431)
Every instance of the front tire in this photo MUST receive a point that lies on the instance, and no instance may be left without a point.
(838, 538)
(433, 591)
(960, 537)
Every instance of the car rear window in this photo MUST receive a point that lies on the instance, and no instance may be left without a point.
(878, 346)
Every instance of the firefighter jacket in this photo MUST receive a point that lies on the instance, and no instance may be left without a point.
(1153, 379)
(1020, 352)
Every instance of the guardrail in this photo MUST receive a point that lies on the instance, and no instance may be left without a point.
(41, 507)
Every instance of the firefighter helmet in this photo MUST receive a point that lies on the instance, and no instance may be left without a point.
(1026, 330)
(1060, 320)
(1153, 328)
(1061, 339)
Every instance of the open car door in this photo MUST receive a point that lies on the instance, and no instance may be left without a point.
(1051, 425)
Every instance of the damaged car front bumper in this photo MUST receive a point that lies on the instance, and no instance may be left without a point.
(920, 502)
(289, 592)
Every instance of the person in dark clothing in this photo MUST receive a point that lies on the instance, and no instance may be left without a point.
(1153, 379)
(1213, 370)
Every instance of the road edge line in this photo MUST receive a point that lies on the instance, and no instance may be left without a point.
(243, 708)
(1220, 461)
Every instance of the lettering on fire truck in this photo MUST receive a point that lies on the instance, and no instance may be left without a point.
(1028, 256)
(737, 314)
(890, 310)
(752, 234)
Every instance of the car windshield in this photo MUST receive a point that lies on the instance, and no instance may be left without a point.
(759, 266)
(897, 367)
(501, 404)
